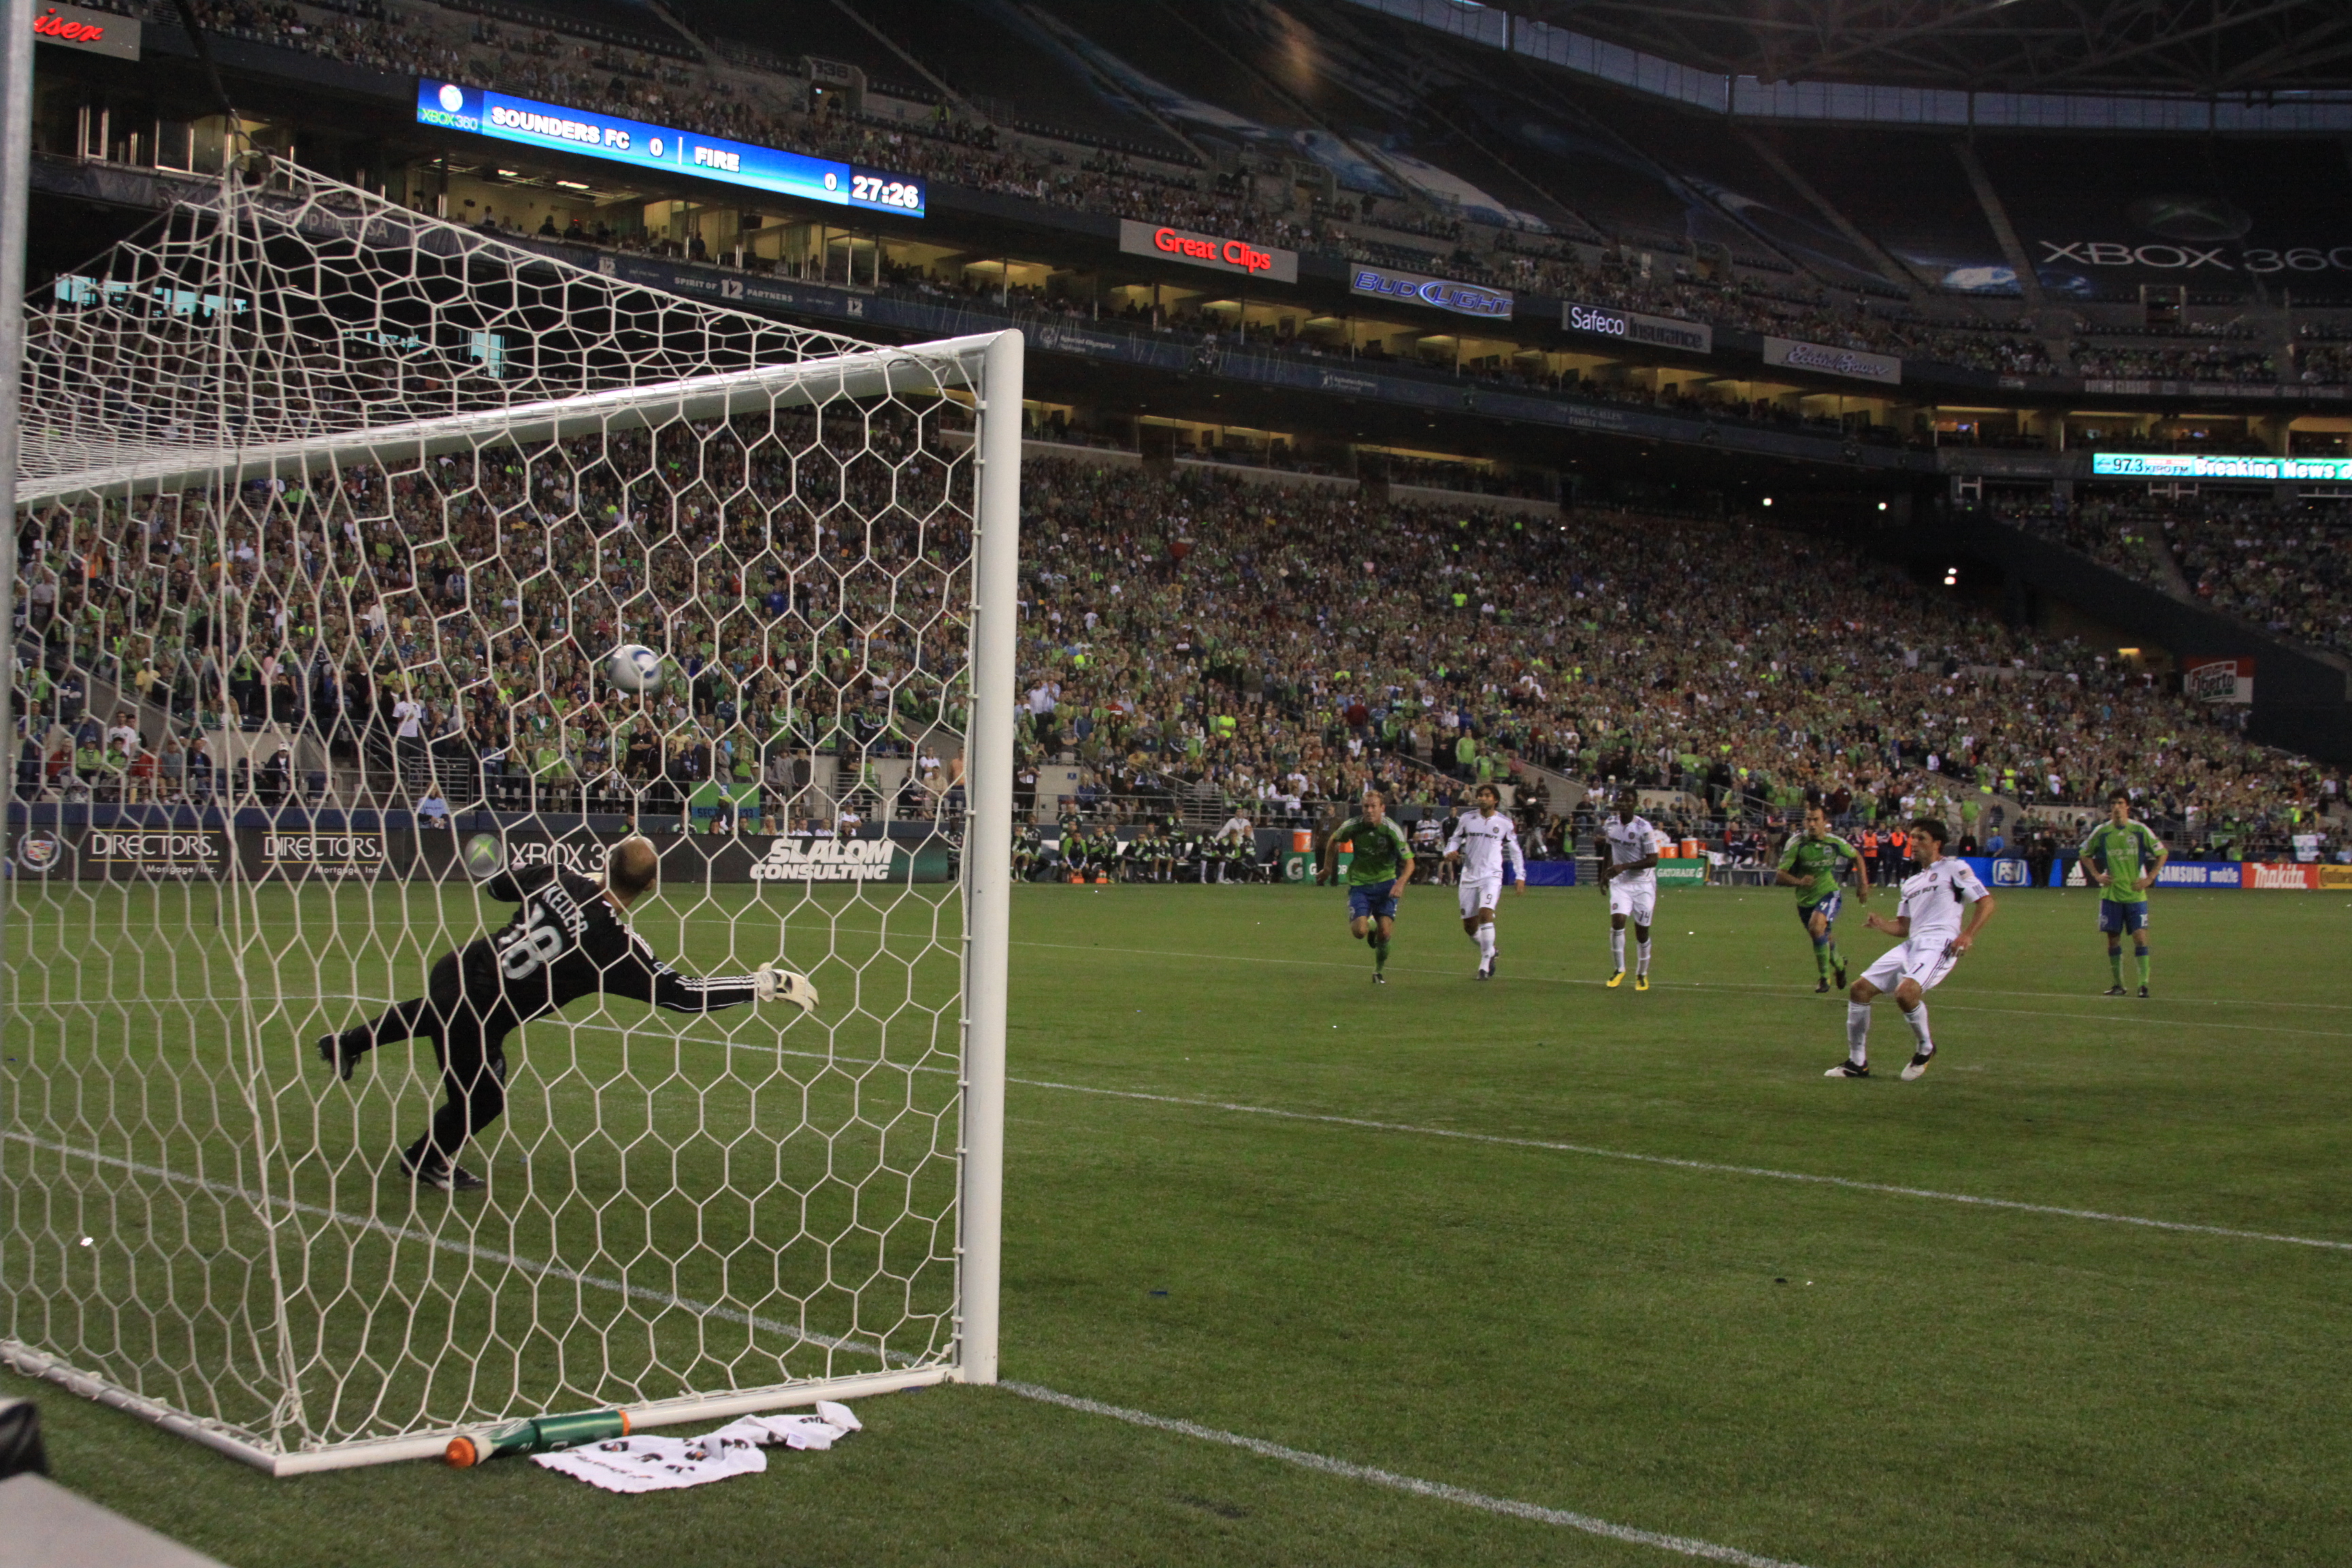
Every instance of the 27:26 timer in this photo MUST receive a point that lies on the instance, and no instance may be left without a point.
(885, 193)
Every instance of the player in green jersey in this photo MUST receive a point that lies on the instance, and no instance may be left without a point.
(2123, 858)
(1382, 866)
(1809, 864)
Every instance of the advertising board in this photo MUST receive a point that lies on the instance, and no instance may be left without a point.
(1830, 360)
(1222, 252)
(590, 134)
(2214, 465)
(80, 27)
(1681, 873)
(2218, 680)
(1633, 327)
(1438, 293)
(2280, 875)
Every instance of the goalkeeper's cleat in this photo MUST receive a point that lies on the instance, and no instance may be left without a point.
(1848, 1069)
(435, 1172)
(2116, 991)
(2142, 992)
(773, 984)
(1919, 1067)
(1642, 981)
(330, 1051)
(1616, 980)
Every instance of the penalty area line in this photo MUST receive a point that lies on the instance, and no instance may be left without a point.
(1346, 1470)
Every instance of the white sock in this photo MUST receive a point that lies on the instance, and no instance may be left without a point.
(1617, 947)
(1917, 1019)
(1645, 965)
(1486, 940)
(1857, 1033)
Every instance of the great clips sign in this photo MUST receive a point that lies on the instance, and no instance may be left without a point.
(99, 32)
(1210, 250)
(1462, 299)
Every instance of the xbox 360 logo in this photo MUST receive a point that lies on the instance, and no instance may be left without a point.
(484, 856)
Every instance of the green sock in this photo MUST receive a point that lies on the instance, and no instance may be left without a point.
(1821, 958)
(1380, 956)
(2115, 963)
(1837, 959)
(2143, 968)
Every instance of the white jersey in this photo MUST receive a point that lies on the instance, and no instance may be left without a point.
(1934, 901)
(1628, 842)
(1489, 847)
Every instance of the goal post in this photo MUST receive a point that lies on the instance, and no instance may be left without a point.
(306, 670)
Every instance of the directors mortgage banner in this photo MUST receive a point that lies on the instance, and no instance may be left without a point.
(635, 142)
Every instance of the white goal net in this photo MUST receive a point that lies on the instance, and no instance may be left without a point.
(329, 516)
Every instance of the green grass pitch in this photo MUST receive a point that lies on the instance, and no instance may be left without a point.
(1818, 1373)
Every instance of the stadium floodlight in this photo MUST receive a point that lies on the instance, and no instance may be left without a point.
(361, 499)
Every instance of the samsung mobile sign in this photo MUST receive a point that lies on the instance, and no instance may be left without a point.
(1462, 299)
(1658, 331)
(1219, 251)
(635, 142)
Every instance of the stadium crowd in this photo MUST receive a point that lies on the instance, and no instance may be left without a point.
(2286, 568)
(1262, 647)
(767, 108)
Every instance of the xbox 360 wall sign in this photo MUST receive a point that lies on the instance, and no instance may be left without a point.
(1633, 327)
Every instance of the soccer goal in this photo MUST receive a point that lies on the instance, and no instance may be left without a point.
(331, 515)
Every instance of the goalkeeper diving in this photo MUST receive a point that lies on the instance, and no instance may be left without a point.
(567, 941)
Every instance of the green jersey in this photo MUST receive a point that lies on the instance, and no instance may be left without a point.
(1380, 850)
(1817, 861)
(2125, 852)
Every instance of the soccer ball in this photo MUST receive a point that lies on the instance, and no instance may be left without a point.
(634, 668)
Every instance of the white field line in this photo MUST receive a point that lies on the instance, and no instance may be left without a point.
(451, 1244)
(1343, 1468)
(1349, 1470)
(2135, 1017)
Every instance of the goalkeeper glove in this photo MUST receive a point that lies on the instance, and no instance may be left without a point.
(773, 984)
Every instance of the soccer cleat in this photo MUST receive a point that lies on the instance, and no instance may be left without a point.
(1821, 988)
(773, 984)
(1379, 979)
(2114, 991)
(330, 1051)
(1641, 983)
(2142, 992)
(1847, 1070)
(439, 1174)
(1919, 1067)
(1616, 980)
(1841, 976)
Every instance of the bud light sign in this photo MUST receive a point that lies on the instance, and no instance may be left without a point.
(1462, 299)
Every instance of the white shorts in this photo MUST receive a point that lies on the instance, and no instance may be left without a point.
(1482, 893)
(1635, 897)
(1929, 966)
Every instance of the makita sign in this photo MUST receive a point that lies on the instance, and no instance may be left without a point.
(1830, 360)
(1659, 332)
(1439, 293)
(1215, 250)
(2286, 875)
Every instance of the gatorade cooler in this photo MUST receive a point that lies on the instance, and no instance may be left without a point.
(1691, 851)
(1302, 841)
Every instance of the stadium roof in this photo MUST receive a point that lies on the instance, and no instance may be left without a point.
(2192, 46)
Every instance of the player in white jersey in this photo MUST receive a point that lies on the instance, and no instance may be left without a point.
(1486, 846)
(1633, 877)
(1928, 920)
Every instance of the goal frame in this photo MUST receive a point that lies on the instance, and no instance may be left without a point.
(992, 366)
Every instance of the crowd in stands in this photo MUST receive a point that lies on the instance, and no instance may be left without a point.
(2210, 363)
(767, 108)
(2286, 568)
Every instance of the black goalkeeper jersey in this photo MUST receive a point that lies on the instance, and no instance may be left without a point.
(567, 941)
